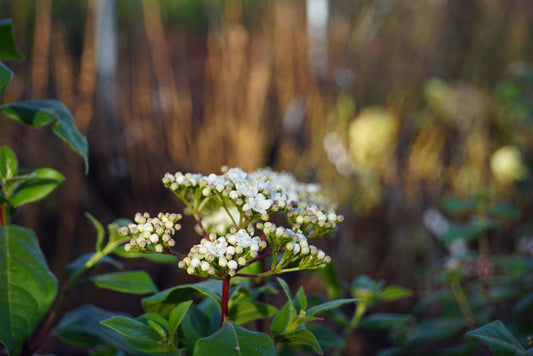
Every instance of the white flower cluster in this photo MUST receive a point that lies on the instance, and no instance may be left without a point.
(150, 232)
(220, 256)
(313, 220)
(295, 247)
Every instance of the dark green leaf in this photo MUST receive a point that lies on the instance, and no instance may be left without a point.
(134, 282)
(5, 77)
(195, 325)
(286, 289)
(81, 327)
(500, 340)
(233, 339)
(462, 232)
(100, 232)
(158, 329)
(328, 305)
(8, 163)
(524, 305)
(44, 182)
(176, 317)
(327, 339)
(8, 48)
(154, 317)
(81, 261)
(393, 293)
(164, 301)
(27, 286)
(244, 312)
(385, 321)
(42, 112)
(299, 336)
(435, 330)
(507, 211)
(331, 278)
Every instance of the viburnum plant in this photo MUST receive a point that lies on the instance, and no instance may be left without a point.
(262, 222)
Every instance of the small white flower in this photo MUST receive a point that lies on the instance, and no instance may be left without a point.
(195, 262)
(232, 265)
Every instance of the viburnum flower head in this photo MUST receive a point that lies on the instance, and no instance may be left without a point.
(232, 212)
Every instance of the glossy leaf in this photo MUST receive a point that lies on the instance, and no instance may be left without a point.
(233, 339)
(38, 113)
(299, 336)
(328, 305)
(81, 327)
(245, 312)
(27, 286)
(385, 321)
(5, 77)
(176, 317)
(133, 282)
(327, 338)
(285, 316)
(100, 232)
(43, 182)
(498, 338)
(165, 301)
(300, 299)
(138, 335)
(8, 163)
(8, 48)
(393, 293)
(81, 261)
(195, 325)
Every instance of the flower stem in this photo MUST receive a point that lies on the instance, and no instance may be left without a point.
(225, 299)
(4, 219)
(258, 258)
(177, 254)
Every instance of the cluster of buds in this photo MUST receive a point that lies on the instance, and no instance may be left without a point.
(220, 256)
(151, 234)
(226, 207)
(295, 248)
(313, 220)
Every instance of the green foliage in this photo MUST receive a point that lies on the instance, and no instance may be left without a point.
(43, 112)
(233, 339)
(8, 48)
(134, 282)
(499, 339)
(27, 284)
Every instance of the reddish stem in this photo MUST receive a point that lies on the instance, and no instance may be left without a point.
(225, 298)
(177, 254)
(199, 222)
(2, 222)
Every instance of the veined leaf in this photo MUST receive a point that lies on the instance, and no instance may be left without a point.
(244, 312)
(176, 317)
(43, 182)
(27, 286)
(299, 336)
(499, 339)
(233, 339)
(38, 113)
(8, 163)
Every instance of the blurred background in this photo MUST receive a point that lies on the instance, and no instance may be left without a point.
(393, 106)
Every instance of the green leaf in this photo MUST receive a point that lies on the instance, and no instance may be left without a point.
(385, 321)
(393, 293)
(81, 261)
(506, 211)
(131, 328)
(158, 329)
(176, 317)
(42, 112)
(165, 301)
(27, 286)
(44, 182)
(435, 330)
(81, 327)
(8, 48)
(498, 338)
(8, 163)
(328, 305)
(134, 282)
(299, 336)
(327, 339)
(244, 312)
(459, 206)
(138, 335)
(330, 276)
(524, 305)
(286, 289)
(300, 299)
(195, 325)
(5, 77)
(100, 232)
(285, 316)
(233, 339)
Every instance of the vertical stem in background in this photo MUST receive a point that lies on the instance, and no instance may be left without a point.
(2, 217)
(461, 299)
(225, 298)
